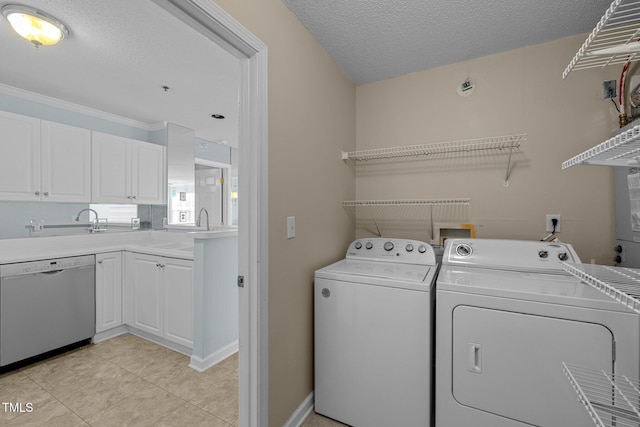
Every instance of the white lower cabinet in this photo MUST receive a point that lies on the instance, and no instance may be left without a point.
(108, 291)
(160, 296)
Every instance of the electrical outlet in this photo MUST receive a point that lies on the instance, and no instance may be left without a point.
(609, 89)
(551, 217)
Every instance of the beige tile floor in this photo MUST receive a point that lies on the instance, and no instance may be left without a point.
(315, 420)
(125, 381)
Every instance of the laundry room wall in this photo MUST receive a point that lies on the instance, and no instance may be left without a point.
(311, 119)
(520, 91)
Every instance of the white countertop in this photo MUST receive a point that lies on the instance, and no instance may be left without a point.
(161, 243)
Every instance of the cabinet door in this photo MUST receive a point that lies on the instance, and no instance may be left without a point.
(19, 157)
(110, 168)
(147, 173)
(144, 283)
(108, 291)
(178, 297)
(66, 163)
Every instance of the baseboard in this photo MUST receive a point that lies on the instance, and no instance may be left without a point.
(202, 364)
(160, 341)
(111, 333)
(301, 413)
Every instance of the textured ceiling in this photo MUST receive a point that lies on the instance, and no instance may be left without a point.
(377, 39)
(116, 59)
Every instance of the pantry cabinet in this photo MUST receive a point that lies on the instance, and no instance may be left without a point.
(126, 170)
(108, 291)
(43, 161)
(160, 296)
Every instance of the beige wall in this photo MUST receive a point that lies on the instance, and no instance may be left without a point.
(315, 112)
(311, 119)
(520, 91)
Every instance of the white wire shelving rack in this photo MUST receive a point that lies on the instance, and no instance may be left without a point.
(506, 143)
(620, 150)
(618, 283)
(428, 204)
(610, 399)
(408, 202)
(614, 40)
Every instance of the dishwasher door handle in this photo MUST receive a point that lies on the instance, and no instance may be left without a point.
(52, 272)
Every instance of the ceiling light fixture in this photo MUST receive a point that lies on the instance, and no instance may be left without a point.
(34, 25)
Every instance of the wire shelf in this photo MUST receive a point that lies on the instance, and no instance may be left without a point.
(621, 150)
(409, 202)
(611, 400)
(614, 40)
(620, 284)
(492, 143)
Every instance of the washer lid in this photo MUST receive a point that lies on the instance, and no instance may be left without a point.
(363, 270)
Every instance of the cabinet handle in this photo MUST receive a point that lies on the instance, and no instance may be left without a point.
(133, 197)
(99, 261)
(46, 193)
(37, 193)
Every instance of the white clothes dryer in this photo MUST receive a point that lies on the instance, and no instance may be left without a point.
(507, 317)
(373, 334)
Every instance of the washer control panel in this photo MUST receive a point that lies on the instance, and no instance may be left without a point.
(397, 250)
(519, 255)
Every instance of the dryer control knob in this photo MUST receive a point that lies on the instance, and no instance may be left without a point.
(618, 249)
(358, 245)
(409, 247)
(388, 246)
(422, 249)
(563, 256)
(369, 245)
(463, 250)
(543, 254)
(617, 259)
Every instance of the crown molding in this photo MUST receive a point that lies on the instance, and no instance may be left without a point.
(76, 108)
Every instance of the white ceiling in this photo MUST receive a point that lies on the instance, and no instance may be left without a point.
(377, 39)
(116, 59)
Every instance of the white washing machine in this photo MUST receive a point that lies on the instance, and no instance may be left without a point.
(373, 334)
(507, 317)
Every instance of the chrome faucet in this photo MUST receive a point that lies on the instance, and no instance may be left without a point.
(200, 217)
(87, 209)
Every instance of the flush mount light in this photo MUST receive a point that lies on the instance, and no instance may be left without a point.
(34, 25)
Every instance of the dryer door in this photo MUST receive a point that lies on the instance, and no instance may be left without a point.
(510, 364)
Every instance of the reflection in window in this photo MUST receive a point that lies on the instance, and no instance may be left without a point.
(115, 214)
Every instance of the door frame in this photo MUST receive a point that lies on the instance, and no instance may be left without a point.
(214, 23)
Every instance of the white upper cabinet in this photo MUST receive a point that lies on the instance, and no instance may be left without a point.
(19, 157)
(126, 170)
(43, 161)
(65, 163)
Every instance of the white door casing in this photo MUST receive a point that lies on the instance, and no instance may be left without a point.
(213, 22)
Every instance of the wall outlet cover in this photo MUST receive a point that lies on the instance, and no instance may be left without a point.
(550, 218)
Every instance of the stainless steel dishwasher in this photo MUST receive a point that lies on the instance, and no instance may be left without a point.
(45, 305)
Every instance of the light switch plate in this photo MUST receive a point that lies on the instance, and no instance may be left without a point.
(291, 227)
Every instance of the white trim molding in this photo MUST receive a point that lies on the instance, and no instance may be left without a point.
(301, 413)
(76, 108)
(202, 364)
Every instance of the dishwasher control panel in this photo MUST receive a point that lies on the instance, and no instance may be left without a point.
(43, 266)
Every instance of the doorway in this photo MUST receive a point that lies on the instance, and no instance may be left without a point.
(213, 22)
